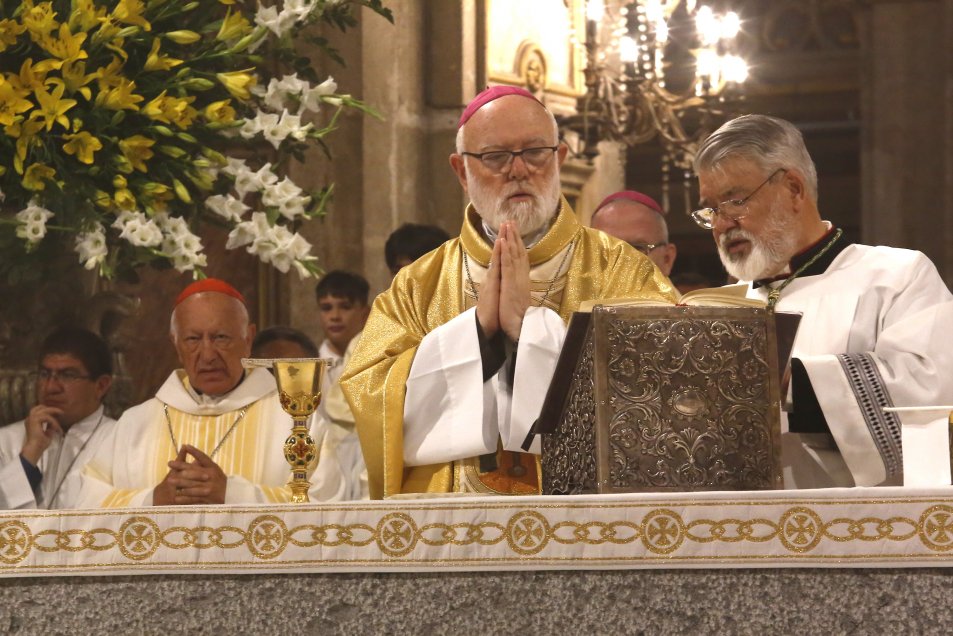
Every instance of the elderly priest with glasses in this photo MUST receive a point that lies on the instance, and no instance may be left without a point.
(876, 320)
(41, 457)
(214, 433)
(457, 355)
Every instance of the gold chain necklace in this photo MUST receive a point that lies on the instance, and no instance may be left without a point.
(552, 282)
(175, 445)
(775, 294)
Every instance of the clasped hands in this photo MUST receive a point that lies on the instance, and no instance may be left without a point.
(201, 481)
(505, 294)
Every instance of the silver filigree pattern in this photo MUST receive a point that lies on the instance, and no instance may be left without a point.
(569, 457)
(685, 398)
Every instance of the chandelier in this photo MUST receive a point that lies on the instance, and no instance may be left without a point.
(655, 69)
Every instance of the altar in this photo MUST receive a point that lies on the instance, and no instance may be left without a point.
(835, 560)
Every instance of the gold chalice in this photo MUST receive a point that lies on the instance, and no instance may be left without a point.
(299, 390)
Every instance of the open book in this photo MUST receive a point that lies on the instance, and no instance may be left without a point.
(728, 296)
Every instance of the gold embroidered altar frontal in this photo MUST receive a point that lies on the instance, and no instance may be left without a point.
(819, 528)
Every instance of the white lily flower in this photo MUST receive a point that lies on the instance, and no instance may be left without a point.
(234, 166)
(139, 230)
(249, 232)
(226, 206)
(312, 99)
(32, 222)
(91, 247)
(277, 23)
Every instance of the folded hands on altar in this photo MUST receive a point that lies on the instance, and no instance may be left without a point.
(201, 481)
(505, 296)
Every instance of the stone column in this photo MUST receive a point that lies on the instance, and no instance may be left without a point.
(907, 137)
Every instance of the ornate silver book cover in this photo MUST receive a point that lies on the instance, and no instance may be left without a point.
(669, 399)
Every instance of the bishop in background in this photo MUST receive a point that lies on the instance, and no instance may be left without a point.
(457, 355)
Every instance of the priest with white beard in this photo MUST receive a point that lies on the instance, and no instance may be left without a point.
(456, 356)
(876, 320)
(214, 433)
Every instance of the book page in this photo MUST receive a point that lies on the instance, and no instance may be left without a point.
(727, 296)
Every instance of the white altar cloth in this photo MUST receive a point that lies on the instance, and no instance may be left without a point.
(856, 527)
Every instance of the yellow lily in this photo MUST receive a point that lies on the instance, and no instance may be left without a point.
(85, 15)
(130, 12)
(121, 97)
(125, 199)
(32, 76)
(220, 112)
(39, 19)
(67, 47)
(36, 177)
(9, 31)
(156, 62)
(12, 102)
(24, 131)
(137, 150)
(233, 27)
(110, 76)
(171, 110)
(237, 83)
(74, 74)
(52, 107)
(83, 145)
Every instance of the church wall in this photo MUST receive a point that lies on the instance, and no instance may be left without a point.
(907, 152)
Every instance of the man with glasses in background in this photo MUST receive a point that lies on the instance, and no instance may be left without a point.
(457, 355)
(213, 433)
(41, 457)
(876, 320)
(638, 220)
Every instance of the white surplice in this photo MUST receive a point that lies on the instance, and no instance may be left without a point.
(60, 464)
(336, 411)
(134, 459)
(875, 332)
(451, 414)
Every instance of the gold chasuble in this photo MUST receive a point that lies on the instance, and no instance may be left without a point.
(435, 289)
(243, 432)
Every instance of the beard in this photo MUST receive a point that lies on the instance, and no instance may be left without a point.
(529, 216)
(769, 253)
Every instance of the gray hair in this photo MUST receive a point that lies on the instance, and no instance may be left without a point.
(770, 142)
(459, 141)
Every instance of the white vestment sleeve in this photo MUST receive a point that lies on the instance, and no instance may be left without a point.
(451, 414)
(845, 418)
(541, 340)
(443, 408)
(910, 365)
(15, 491)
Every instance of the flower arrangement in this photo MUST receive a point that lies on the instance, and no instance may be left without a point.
(124, 124)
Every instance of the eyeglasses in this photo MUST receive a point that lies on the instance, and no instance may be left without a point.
(499, 160)
(66, 376)
(731, 209)
(645, 248)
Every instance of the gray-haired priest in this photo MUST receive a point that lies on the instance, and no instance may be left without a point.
(876, 320)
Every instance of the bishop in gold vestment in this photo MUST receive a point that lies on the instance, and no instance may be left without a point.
(457, 355)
